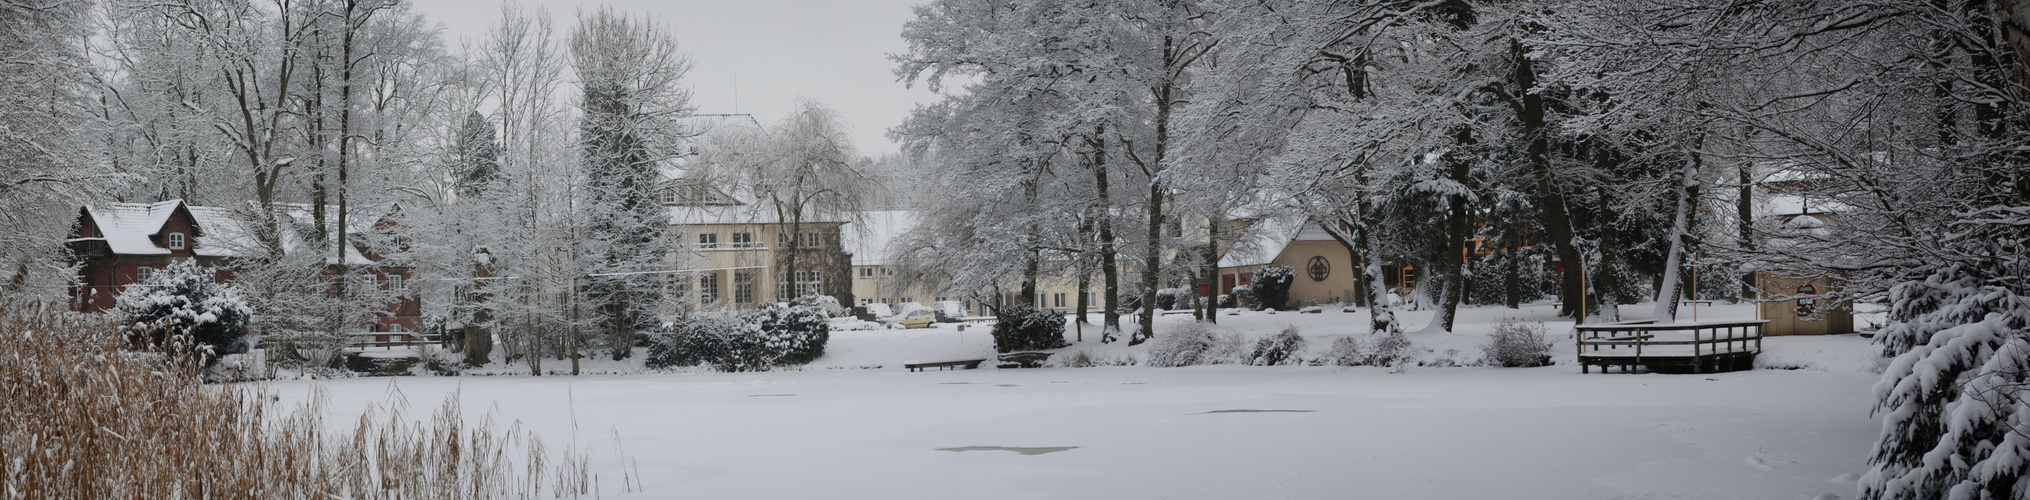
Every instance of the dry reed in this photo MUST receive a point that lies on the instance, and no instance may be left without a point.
(87, 417)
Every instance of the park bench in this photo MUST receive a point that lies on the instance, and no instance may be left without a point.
(1023, 360)
(968, 364)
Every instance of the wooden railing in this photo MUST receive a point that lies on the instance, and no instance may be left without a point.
(1700, 346)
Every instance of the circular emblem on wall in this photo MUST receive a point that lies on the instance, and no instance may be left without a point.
(1808, 303)
(1318, 268)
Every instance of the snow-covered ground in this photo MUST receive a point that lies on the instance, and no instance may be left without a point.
(857, 425)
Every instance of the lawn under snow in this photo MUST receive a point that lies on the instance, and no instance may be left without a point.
(842, 428)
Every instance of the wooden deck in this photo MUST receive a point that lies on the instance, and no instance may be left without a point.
(1696, 347)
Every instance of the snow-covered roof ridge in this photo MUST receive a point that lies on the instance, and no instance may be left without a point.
(129, 228)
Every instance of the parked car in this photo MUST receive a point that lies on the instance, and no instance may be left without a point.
(920, 318)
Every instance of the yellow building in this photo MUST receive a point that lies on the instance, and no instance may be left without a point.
(1325, 270)
(740, 252)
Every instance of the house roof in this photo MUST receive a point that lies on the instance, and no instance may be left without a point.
(219, 231)
(127, 227)
(1266, 239)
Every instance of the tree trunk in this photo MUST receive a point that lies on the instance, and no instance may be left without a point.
(1382, 315)
(1511, 279)
(1551, 210)
(1211, 270)
(1110, 268)
(1457, 232)
(1606, 282)
(1085, 281)
(1667, 293)
(1744, 207)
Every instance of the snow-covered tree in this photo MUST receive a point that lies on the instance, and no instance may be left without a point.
(184, 299)
(630, 73)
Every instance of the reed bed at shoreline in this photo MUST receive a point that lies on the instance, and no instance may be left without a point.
(87, 415)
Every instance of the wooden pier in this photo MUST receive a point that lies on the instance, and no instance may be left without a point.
(1695, 347)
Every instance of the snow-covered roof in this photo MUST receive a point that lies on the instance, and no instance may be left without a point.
(219, 232)
(869, 240)
(1266, 239)
(127, 227)
(684, 215)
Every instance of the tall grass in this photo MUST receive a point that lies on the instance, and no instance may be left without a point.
(86, 416)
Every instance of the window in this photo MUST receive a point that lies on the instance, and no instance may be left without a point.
(812, 240)
(708, 240)
(866, 272)
(708, 287)
(175, 241)
(1092, 298)
(744, 239)
(782, 240)
(395, 327)
(1057, 299)
(141, 275)
(394, 282)
(743, 287)
(907, 300)
(864, 301)
(887, 271)
(809, 283)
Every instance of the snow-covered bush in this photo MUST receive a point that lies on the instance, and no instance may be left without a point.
(1272, 286)
(771, 336)
(1375, 350)
(1086, 359)
(825, 304)
(1197, 344)
(1025, 328)
(184, 299)
(1517, 344)
(1244, 297)
(1282, 348)
(794, 335)
(1955, 400)
(1173, 298)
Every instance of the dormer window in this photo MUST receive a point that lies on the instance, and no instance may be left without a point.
(175, 241)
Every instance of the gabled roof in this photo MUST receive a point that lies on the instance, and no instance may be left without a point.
(127, 228)
(1267, 237)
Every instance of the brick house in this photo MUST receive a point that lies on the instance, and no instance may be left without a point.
(116, 245)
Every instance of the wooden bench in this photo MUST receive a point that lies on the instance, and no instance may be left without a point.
(969, 364)
(1023, 360)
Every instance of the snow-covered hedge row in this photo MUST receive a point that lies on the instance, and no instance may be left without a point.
(774, 335)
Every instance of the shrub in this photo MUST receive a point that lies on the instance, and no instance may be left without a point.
(1244, 297)
(1197, 344)
(1272, 286)
(825, 304)
(1282, 348)
(1375, 350)
(771, 336)
(1023, 327)
(791, 335)
(1173, 298)
(185, 299)
(1516, 344)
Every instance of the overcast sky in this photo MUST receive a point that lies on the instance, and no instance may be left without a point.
(778, 50)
